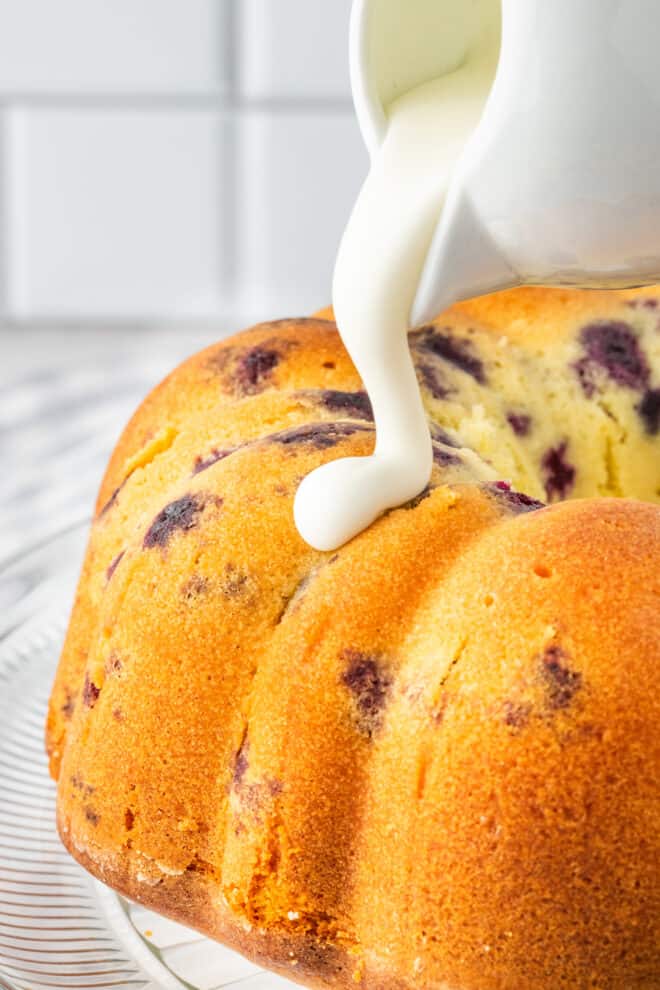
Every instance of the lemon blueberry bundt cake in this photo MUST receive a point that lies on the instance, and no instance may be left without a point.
(429, 759)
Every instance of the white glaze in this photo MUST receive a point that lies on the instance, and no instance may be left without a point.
(376, 278)
(548, 176)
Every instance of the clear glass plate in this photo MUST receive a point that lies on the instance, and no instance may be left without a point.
(59, 928)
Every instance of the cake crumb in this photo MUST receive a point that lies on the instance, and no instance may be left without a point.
(358, 972)
(187, 825)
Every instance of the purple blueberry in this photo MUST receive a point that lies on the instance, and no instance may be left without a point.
(432, 379)
(517, 714)
(649, 410)
(111, 501)
(441, 436)
(181, 515)
(241, 763)
(91, 693)
(114, 565)
(235, 582)
(369, 684)
(80, 785)
(558, 472)
(443, 458)
(195, 587)
(69, 706)
(612, 347)
(114, 665)
(454, 351)
(643, 304)
(204, 463)
(516, 502)
(520, 423)
(560, 681)
(319, 435)
(422, 497)
(354, 404)
(255, 368)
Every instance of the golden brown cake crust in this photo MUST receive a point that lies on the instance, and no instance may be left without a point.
(427, 760)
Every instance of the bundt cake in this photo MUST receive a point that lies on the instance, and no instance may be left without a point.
(429, 759)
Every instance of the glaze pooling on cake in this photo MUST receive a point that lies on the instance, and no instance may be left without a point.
(449, 722)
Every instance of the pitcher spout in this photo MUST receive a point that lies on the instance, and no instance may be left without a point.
(463, 261)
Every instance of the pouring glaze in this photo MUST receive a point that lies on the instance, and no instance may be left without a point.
(510, 145)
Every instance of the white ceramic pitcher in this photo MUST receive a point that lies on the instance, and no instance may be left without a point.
(560, 182)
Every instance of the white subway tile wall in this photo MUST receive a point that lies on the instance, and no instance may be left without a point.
(183, 159)
(292, 212)
(113, 46)
(118, 212)
(292, 49)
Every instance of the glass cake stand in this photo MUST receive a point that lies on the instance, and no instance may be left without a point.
(59, 928)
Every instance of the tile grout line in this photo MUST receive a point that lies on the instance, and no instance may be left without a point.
(140, 102)
(228, 222)
(231, 51)
(231, 226)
